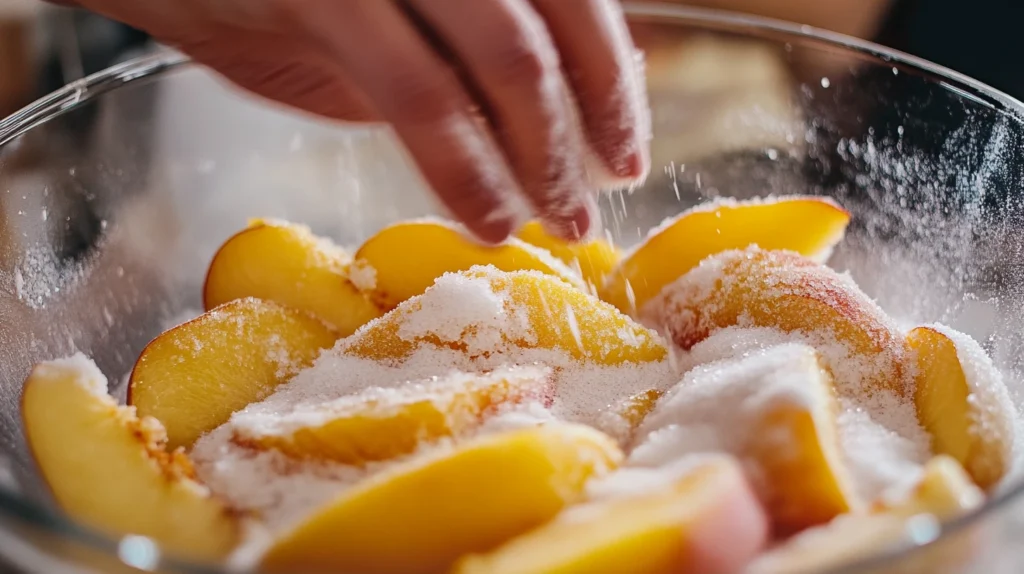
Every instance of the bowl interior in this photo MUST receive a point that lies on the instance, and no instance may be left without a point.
(115, 194)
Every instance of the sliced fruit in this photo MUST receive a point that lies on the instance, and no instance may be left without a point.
(485, 311)
(784, 291)
(422, 515)
(593, 259)
(380, 424)
(110, 470)
(192, 377)
(622, 419)
(776, 410)
(944, 492)
(287, 264)
(962, 402)
(407, 257)
(810, 226)
(674, 527)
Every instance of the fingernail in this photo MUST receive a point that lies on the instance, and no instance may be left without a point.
(493, 231)
(583, 219)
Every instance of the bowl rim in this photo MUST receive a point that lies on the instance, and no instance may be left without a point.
(89, 88)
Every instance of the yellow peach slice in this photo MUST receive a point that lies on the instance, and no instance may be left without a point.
(593, 259)
(807, 225)
(785, 291)
(657, 530)
(943, 493)
(192, 377)
(287, 264)
(776, 410)
(962, 402)
(422, 515)
(379, 424)
(407, 258)
(110, 469)
(624, 417)
(507, 310)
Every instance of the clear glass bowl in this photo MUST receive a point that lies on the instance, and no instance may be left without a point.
(116, 191)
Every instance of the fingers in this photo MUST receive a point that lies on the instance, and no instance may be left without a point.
(286, 72)
(413, 89)
(512, 60)
(605, 72)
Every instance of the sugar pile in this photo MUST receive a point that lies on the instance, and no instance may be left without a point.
(463, 324)
(882, 443)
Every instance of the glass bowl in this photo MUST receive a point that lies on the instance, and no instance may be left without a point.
(116, 190)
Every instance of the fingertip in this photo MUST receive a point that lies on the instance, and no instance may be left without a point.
(577, 223)
(492, 231)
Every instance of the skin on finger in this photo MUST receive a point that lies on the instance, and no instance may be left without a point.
(413, 89)
(285, 71)
(607, 76)
(510, 57)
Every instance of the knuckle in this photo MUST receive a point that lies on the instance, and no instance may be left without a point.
(523, 64)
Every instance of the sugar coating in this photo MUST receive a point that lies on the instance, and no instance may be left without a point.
(720, 408)
(491, 334)
(276, 417)
(879, 436)
(87, 374)
(992, 412)
(280, 490)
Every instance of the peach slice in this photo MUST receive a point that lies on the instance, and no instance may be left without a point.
(675, 527)
(962, 402)
(593, 259)
(785, 291)
(777, 411)
(192, 377)
(287, 264)
(422, 515)
(407, 258)
(623, 418)
(110, 469)
(485, 311)
(807, 225)
(380, 424)
(943, 493)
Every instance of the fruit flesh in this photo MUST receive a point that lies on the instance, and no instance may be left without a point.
(192, 377)
(943, 493)
(408, 257)
(555, 315)
(594, 259)
(785, 291)
(653, 532)
(110, 470)
(806, 225)
(781, 421)
(972, 421)
(382, 424)
(420, 517)
(287, 264)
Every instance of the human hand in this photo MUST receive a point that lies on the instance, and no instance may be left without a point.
(483, 93)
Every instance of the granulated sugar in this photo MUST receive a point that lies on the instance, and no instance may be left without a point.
(992, 411)
(458, 395)
(281, 490)
(727, 407)
(488, 334)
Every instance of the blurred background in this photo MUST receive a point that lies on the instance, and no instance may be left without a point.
(43, 47)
